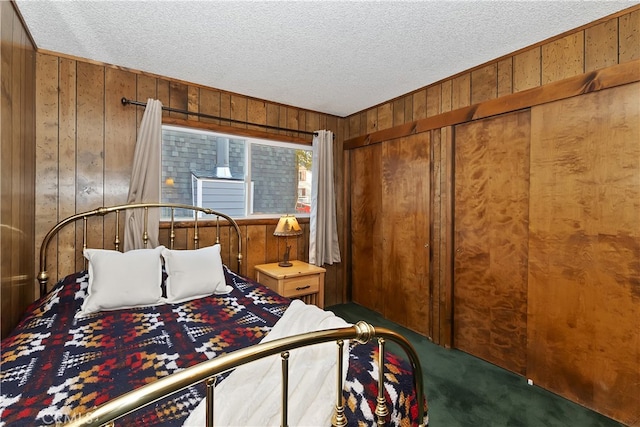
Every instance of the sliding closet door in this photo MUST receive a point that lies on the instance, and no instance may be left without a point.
(491, 239)
(584, 268)
(390, 189)
(405, 231)
(366, 227)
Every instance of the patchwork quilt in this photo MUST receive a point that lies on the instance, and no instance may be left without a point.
(55, 367)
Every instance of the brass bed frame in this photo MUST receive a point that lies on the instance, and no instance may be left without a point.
(361, 332)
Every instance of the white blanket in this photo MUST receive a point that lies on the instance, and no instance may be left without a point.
(252, 394)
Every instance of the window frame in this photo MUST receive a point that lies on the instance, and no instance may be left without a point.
(250, 137)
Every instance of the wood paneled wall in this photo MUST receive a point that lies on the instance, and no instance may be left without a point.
(499, 294)
(86, 140)
(17, 167)
(609, 41)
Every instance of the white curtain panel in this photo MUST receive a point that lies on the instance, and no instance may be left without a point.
(145, 179)
(323, 227)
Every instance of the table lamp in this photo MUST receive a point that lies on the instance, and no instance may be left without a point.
(287, 226)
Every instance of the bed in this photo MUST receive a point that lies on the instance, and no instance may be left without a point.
(83, 345)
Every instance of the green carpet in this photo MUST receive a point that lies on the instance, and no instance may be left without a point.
(463, 390)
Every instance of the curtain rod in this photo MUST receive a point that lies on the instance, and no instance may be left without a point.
(126, 101)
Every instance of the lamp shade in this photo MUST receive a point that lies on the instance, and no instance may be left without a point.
(288, 226)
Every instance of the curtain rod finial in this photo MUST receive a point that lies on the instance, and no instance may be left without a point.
(124, 101)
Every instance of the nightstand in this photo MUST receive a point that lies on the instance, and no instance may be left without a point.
(302, 281)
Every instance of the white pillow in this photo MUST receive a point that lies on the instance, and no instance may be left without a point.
(123, 280)
(194, 273)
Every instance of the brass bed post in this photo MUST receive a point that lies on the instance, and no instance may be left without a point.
(196, 238)
(217, 229)
(172, 233)
(211, 386)
(116, 242)
(381, 404)
(145, 233)
(84, 241)
(339, 420)
(285, 388)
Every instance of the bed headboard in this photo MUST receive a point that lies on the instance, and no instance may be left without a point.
(43, 275)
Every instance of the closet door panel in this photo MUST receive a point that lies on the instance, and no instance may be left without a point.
(584, 269)
(405, 230)
(366, 227)
(491, 239)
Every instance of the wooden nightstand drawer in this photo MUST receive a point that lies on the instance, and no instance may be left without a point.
(301, 280)
(303, 285)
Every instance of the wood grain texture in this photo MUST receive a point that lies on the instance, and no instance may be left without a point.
(505, 77)
(434, 100)
(491, 239)
(461, 91)
(405, 228)
(616, 75)
(17, 167)
(66, 147)
(385, 116)
(484, 83)
(527, 70)
(563, 58)
(366, 230)
(584, 275)
(419, 104)
(629, 37)
(86, 139)
(398, 111)
(47, 155)
(601, 45)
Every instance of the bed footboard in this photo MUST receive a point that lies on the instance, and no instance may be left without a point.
(361, 332)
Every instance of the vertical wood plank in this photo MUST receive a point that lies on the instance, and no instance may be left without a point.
(629, 37)
(484, 83)
(527, 69)
(461, 91)
(505, 77)
(47, 161)
(398, 112)
(601, 45)
(210, 104)
(120, 141)
(256, 113)
(273, 117)
(408, 108)
(67, 176)
(385, 116)
(419, 104)
(90, 146)
(447, 96)
(178, 98)
(193, 102)
(225, 107)
(563, 58)
(238, 110)
(372, 120)
(434, 100)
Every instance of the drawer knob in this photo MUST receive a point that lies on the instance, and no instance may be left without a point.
(299, 288)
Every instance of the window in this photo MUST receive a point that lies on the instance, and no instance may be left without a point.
(239, 176)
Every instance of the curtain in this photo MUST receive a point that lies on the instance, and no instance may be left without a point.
(145, 179)
(323, 227)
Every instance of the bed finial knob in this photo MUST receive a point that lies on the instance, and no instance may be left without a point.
(365, 332)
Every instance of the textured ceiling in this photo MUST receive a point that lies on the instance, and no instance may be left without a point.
(334, 57)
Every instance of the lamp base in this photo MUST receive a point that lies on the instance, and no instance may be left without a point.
(285, 264)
